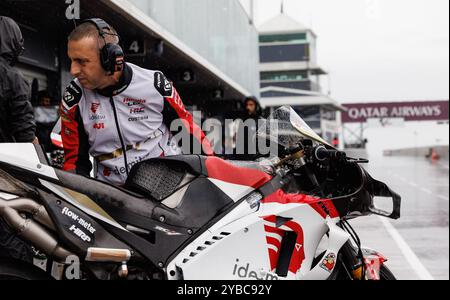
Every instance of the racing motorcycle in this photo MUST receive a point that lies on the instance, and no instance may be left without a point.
(283, 217)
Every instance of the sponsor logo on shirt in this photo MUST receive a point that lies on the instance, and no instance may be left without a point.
(138, 119)
(134, 102)
(138, 110)
(97, 117)
(99, 126)
(94, 107)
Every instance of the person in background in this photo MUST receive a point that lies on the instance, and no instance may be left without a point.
(16, 113)
(335, 141)
(246, 141)
(46, 116)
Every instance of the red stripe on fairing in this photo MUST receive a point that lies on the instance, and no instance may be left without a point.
(273, 230)
(273, 241)
(271, 219)
(298, 255)
(221, 170)
(317, 204)
(273, 258)
(273, 254)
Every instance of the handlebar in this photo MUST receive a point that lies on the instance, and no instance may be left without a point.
(321, 153)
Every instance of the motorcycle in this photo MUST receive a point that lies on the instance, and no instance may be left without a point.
(283, 217)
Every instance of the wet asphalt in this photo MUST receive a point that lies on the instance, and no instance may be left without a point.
(417, 245)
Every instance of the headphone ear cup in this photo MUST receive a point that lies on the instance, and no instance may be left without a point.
(105, 59)
(116, 57)
(112, 58)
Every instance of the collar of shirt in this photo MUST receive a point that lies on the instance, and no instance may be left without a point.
(121, 86)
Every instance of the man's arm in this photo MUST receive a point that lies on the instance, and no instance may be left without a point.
(74, 138)
(175, 109)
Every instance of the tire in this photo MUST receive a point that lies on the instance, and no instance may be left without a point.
(339, 273)
(18, 270)
(386, 274)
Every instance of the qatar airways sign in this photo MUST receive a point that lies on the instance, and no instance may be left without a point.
(409, 111)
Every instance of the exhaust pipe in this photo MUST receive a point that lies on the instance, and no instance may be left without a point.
(38, 212)
(29, 229)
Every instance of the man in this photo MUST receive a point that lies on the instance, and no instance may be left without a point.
(16, 113)
(16, 120)
(246, 141)
(115, 111)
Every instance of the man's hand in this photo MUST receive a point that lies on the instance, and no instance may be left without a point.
(35, 141)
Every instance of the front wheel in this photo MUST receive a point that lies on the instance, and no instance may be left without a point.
(386, 274)
(341, 273)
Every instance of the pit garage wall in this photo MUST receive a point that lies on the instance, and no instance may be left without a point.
(218, 30)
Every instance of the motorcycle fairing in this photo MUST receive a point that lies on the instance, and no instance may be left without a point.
(264, 230)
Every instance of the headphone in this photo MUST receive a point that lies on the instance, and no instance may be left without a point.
(111, 55)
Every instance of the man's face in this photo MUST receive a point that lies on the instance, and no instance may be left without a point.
(45, 101)
(250, 107)
(85, 66)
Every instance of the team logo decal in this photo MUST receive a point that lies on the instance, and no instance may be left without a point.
(274, 236)
(163, 85)
(72, 95)
(329, 262)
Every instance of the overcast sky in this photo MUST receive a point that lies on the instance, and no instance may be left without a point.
(376, 50)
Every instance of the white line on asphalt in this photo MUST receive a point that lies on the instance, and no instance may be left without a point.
(427, 191)
(442, 197)
(409, 254)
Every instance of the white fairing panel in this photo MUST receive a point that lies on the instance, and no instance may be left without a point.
(234, 191)
(24, 156)
(247, 248)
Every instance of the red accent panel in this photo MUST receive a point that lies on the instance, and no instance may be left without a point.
(273, 255)
(220, 169)
(273, 229)
(274, 242)
(298, 255)
(273, 258)
(319, 205)
(188, 121)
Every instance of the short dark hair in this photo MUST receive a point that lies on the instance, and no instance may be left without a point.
(251, 98)
(88, 29)
(43, 94)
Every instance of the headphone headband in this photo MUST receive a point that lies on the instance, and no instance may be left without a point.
(100, 25)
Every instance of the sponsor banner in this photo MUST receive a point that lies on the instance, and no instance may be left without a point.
(409, 111)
